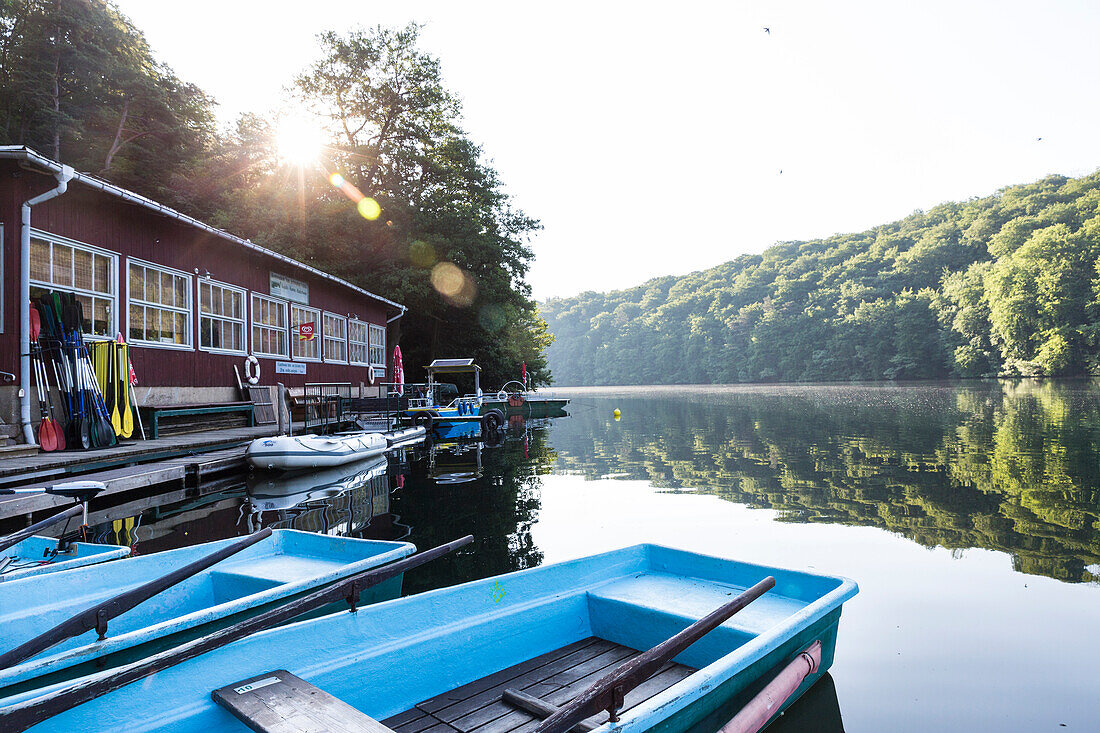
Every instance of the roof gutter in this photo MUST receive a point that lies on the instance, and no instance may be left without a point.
(403, 311)
(64, 174)
(25, 153)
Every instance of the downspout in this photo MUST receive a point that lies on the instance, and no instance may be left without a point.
(63, 177)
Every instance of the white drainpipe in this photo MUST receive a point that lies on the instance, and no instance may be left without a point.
(63, 177)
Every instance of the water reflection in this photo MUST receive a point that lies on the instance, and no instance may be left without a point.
(1003, 466)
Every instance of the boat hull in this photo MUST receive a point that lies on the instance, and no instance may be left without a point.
(531, 407)
(282, 566)
(33, 557)
(300, 452)
(388, 658)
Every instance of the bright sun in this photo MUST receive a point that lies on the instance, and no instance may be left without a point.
(298, 139)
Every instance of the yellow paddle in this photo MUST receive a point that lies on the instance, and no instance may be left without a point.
(124, 389)
(112, 379)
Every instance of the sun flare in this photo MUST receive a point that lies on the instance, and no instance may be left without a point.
(298, 139)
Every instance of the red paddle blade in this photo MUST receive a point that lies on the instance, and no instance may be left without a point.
(47, 436)
(36, 323)
(60, 434)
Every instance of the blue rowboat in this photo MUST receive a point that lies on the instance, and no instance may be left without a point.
(41, 555)
(284, 565)
(447, 657)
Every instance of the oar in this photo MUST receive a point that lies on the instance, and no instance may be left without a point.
(16, 537)
(103, 433)
(112, 379)
(81, 490)
(608, 692)
(122, 395)
(47, 431)
(21, 716)
(97, 616)
(82, 430)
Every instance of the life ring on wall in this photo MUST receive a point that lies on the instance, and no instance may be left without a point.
(502, 395)
(250, 362)
(370, 376)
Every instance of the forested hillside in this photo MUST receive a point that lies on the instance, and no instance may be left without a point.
(1004, 285)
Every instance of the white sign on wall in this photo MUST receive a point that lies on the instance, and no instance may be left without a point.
(289, 288)
(289, 367)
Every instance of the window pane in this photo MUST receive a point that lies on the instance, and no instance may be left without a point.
(40, 260)
(62, 265)
(137, 323)
(83, 270)
(137, 283)
(102, 310)
(181, 291)
(102, 274)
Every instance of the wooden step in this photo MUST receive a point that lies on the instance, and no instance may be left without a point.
(279, 702)
(16, 451)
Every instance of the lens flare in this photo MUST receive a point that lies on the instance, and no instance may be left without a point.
(336, 180)
(454, 284)
(369, 208)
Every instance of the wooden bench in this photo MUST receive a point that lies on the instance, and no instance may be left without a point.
(153, 414)
(280, 702)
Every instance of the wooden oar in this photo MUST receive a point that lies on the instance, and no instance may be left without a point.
(16, 537)
(608, 692)
(20, 716)
(97, 616)
(82, 429)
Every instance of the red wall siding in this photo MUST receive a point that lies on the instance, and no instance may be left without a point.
(129, 230)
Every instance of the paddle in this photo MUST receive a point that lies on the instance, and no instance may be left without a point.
(47, 431)
(54, 333)
(112, 385)
(608, 692)
(20, 716)
(103, 434)
(97, 616)
(123, 370)
(82, 429)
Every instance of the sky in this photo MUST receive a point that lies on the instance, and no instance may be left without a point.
(662, 138)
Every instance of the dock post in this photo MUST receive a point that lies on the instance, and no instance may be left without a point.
(280, 403)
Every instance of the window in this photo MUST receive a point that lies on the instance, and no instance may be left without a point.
(357, 342)
(307, 349)
(221, 317)
(336, 338)
(160, 306)
(269, 337)
(377, 345)
(63, 265)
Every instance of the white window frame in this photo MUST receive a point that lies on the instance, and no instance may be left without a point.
(365, 343)
(252, 325)
(243, 320)
(190, 310)
(325, 338)
(372, 329)
(112, 279)
(295, 336)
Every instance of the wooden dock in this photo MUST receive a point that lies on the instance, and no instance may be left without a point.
(555, 677)
(174, 462)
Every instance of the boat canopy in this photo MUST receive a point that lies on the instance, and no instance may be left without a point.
(455, 366)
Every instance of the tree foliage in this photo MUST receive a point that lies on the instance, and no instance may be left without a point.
(1004, 285)
(78, 83)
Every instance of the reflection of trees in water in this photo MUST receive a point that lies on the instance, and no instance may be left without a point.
(1005, 466)
(497, 508)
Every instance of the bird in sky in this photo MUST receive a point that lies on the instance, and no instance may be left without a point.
(767, 30)
(1038, 139)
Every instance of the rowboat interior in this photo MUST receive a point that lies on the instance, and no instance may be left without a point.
(439, 661)
(286, 562)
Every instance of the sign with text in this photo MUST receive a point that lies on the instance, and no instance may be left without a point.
(289, 367)
(289, 288)
(306, 331)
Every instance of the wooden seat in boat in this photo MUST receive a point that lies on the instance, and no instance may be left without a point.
(280, 702)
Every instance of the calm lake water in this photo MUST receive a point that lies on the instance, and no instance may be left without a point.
(969, 515)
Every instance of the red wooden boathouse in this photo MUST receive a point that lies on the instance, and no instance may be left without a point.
(191, 300)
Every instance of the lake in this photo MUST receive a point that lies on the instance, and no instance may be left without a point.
(969, 514)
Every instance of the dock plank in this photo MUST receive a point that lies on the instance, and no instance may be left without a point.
(280, 702)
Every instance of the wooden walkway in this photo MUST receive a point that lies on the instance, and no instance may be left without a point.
(555, 677)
